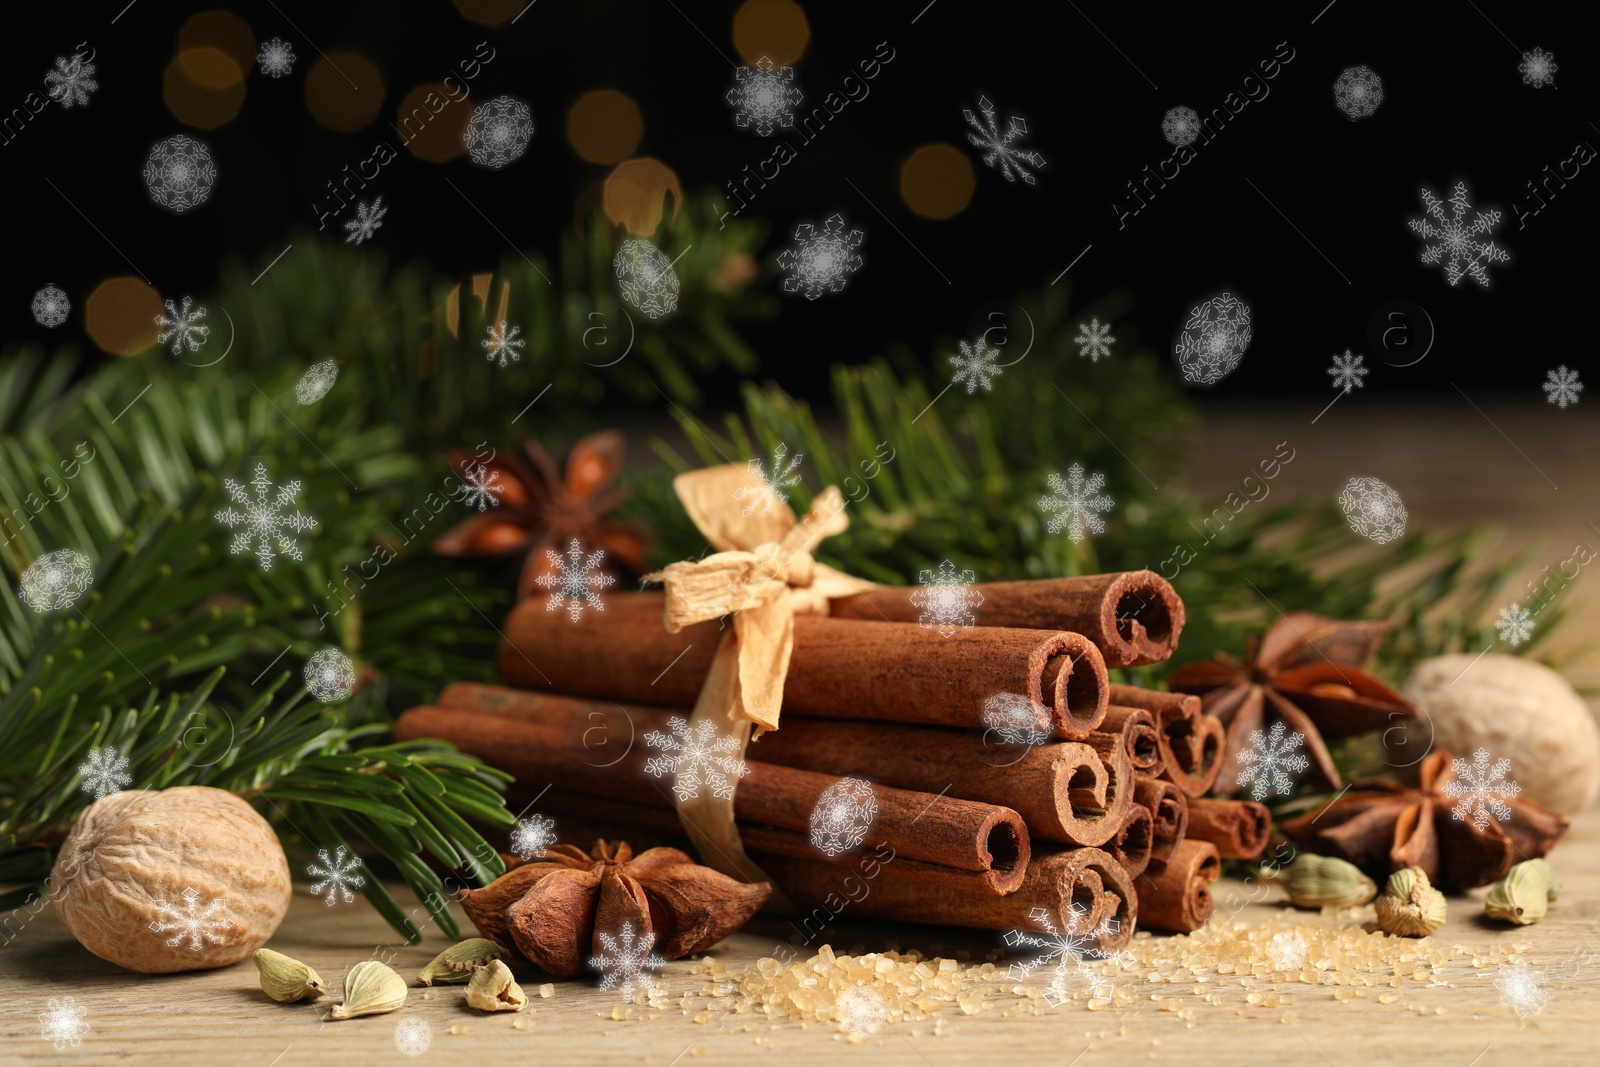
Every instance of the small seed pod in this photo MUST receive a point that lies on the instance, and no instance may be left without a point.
(493, 989)
(285, 979)
(460, 961)
(370, 989)
(1410, 906)
(1524, 894)
(1326, 882)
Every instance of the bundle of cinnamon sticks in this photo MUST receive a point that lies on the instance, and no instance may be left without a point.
(1085, 800)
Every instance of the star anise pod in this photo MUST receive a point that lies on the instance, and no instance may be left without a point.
(1383, 826)
(539, 511)
(1306, 671)
(554, 909)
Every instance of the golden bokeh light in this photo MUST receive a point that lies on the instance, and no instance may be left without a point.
(344, 91)
(203, 87)
(490, 12)
(222, 30)
(634, 191)
(604, 126)
(120, 316)
(937, 181)
(432, 125)
(776, 29)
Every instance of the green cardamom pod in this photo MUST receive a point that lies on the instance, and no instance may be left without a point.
(1326, 882)
(460, 961)
(370, 989)
(286, 979)
(1410, 906)
(1524, 894)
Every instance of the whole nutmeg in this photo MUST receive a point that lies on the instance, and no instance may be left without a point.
(179, 879)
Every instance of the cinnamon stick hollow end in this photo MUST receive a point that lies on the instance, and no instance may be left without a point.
(1238, 828)
(1133, 840)
(1169, 811)
(1072, 681)
(1178, 898)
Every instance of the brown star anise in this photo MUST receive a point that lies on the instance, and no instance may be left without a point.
(1441, 826)
(554, 909)
(539, 512)
(1305, 670)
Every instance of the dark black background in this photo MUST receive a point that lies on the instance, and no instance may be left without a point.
(1454, 107)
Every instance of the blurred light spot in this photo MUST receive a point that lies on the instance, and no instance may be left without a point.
(222, 30)
(936, 181)
(203, 87)
(432, 125)
(490, 12)
(120, 316)
(776, 29)
(344, 91)
(604, 126)
(633, 194)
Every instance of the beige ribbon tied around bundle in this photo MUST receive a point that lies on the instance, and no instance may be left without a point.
(763, 575)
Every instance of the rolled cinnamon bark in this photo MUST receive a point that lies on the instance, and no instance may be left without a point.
(1178, 898)
(1190, 740)
(1238, 828)
(1169, 811)
(1131, 846)
(1137, 728)
(1133, 618)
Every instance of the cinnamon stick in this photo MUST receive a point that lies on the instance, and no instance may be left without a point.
(1169, 811)
(1133, 618)
(1238, 828)
(1178, 898)
(1137, 728)
(1190, 740)
(1131, 845)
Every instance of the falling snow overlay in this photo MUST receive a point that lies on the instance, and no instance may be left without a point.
(533, 836)
(367, 221)
(1358, 92)
(945, 600)
(860, 1010)
(413, 1036)
(821, 262)
(1562, 386)
(63, 1022)
(71, 81)
(1014, 719)
(183, 327)
(503, 342)
(576, 581)
(1181, 126)
(1480, 790)
(1288, 951)
(1373, 510)
(1074, 505)
(1094, 340)
(337, 876)
(625, 961)
(646, 278)
(695, 756)
(1460, 254)
(499, 132)
(55, 580)
(480, 487)
(764, 97)
(276, 58)
(1538, 68)
(194, 925)
(1001, 148)
(842, 816)
(1214, 338)
(1515, 624)
(179, 173)
(330, 675)
(976, 366)
(1521, 988)
(316, 381)
(264, 523)
(50, 307)
(1070, 950)
(1271, 762)
(1347, 371)
(104, 772)
(771, 490)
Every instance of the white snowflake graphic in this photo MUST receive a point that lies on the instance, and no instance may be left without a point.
(503, 342)
(1521, 988)
(1070, 950)
(50, 307)
(842, 816)
(179, 173)
(764, 97)
(1076, 506)
(976, 366)
(193, 924)
(276, 58)
(63, 1022)
(1538, 68)
(336, 876)
(1001, 147)
(771, 490)
(1562, 387)
(55, 580)
(861, 1011)
(1213, 340)
(264, 522)
(821, 262)
(576, 580)
(329, 675)
(1014, 719)
(183, 327)
(533, 836)
(1515, 624)
(625, 961)
(316, 381)
(1288, 951)
(1373, 509)
(1461, 255)
(1181, 126)
(499, 132)
(695, 757)
(367, 221)
(646, 278)
(1480, 790)
(946, 599)
(413, 1036)
(1271, 761)
(104, 772)
(1358, 92)
(1094, 340)
(480, 486)
(1347, 371)
(71, 81)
